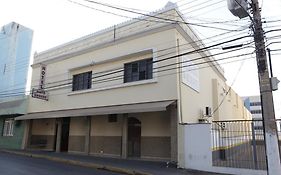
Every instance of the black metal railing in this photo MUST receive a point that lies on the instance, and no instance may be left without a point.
(239, 144)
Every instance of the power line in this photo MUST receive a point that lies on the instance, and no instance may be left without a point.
(189, 43)
(118, 78)
(121, 76)
(158, 51)
(154, 16)
(171, 57)
(200, 8)
(230, 87)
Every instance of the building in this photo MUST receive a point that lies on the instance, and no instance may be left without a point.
(126, 90)
(253, 104)
(15, 49)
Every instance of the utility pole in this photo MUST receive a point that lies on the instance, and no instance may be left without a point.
(269, 123)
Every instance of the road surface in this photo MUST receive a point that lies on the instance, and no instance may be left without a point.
(11, 164)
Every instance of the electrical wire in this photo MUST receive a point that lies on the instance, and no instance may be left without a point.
(155, 68)
(229, 89)
(168, 74)
(153, 16)
(190, 52)
(158, 56)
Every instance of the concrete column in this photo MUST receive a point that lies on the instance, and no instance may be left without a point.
(59, 128)
(125, 136)
(174, 132)
(88, 135)
(27, 134)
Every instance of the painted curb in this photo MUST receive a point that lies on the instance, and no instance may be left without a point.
(80, 163)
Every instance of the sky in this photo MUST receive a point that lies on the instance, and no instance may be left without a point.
(55, 22)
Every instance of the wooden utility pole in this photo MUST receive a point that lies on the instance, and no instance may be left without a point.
(269, 123)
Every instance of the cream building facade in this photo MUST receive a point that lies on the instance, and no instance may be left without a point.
(125, 91)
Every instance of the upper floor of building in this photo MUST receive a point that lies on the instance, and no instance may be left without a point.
(141, 60)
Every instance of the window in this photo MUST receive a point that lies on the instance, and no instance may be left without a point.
(8, 129)
(255, 111)
(112, 118)
(138, 70)
(255, 104)
(82, 81)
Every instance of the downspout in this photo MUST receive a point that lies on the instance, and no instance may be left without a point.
(179, 84)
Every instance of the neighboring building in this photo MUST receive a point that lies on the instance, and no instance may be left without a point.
(118, 92)
(15, 48)
(253, 104)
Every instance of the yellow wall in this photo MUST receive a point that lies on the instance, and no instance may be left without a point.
(154, 123)
(43, 127)
(211, 92)
(159, 88)
(101, 126)
(232, 107)
(78, 126)
(193, 102)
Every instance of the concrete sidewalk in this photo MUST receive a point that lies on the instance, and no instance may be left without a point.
(124, 166)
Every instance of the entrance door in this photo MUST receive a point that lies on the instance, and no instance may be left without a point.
(64, 134)
(134, 137)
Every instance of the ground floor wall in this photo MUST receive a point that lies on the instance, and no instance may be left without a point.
(42, 134)
(143, 135)
(14, 141)
(77, 134)
(106, 135)
(155, 135)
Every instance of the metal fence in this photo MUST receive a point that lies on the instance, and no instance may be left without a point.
(278, 123)
(239, 144)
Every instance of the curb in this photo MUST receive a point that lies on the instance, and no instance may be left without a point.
(80, 163)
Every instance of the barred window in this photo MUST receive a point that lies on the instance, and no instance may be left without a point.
(138, 70)
(82, 81)
(8, 129)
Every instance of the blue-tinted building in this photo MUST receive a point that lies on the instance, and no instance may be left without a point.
(15, 50)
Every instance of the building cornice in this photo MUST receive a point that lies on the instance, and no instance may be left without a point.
(63, 54)
(104, 38)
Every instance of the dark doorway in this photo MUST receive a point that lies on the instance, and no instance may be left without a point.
(64, 134)
(56, 134)
(134, 137)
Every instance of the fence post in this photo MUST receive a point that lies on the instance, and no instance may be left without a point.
(254, 146)
(221, 142)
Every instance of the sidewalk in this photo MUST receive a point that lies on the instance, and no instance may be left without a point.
(124, 166)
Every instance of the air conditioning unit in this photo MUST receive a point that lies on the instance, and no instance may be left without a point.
(206, 114)
(203, 120)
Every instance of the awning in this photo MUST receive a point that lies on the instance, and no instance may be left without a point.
(117, 109)
(13, 106)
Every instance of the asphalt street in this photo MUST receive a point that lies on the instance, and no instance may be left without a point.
(20, 165)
